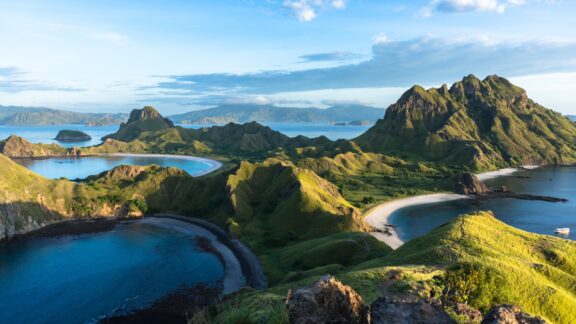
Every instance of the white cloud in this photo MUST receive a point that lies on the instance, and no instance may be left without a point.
(458, 6)
(380, 38)
(110, 37)
(307, 10)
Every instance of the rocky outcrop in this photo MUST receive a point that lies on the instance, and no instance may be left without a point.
(510, 314)
(17, 147)
(326, 301)
(407, 310)
(142, 120)
(72, 136)
(469, 184)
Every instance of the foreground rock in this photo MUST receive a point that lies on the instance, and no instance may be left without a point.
(327, 301)
(72, 136)
(407, 310)
(510, 314)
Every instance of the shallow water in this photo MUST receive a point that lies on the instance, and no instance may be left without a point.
(75, 279)
(530, 215)
(80, 168)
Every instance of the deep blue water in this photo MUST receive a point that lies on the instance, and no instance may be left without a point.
(46, 134)
(80, 168)
(534, 216)
(75, 279)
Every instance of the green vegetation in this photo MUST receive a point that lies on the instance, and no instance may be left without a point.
(479, 124)
(142, 120)
(475, 259)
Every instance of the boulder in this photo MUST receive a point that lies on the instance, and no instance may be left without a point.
(326, 301)
(510, 314)
(408, 310)
(469, 184)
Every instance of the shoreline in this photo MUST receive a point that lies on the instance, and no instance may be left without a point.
(242, 266)
(378, 217)
(214, 164)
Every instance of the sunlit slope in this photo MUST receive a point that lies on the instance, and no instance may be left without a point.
(483, 124)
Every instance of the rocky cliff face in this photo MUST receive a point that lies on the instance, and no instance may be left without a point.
(482, 124)
(469, 184)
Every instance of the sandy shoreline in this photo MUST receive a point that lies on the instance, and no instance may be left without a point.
(214, 165)
(379, 216)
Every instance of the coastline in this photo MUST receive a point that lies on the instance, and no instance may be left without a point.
(378, 216)
(214, 164)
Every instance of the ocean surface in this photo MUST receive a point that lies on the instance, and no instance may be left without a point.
(77, 279)
(529, 215)
(46, 134)
(80, 168)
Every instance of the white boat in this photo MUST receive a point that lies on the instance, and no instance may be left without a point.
(565, 230)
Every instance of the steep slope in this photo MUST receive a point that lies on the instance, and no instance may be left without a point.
(271, 114)
(480, 124)
(142, 120)
(536, 272)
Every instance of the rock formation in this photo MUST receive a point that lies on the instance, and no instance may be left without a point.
(327, 301)
(72, 136)
(510, 314)
(469, 184)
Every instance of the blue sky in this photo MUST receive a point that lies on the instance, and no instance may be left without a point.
(184, 55)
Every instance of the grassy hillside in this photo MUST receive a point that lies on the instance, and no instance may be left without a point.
(475, 259)
(271, 114)
(480, 124)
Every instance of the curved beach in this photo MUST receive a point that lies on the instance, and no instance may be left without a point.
(378, 216)
(213, 164)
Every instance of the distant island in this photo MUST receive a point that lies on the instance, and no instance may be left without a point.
(271, 114)
(40, 116)
(572, 117)
(72, 136)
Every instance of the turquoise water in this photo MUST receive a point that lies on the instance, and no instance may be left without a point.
(80, 168)
(533, 216)
(76, 279)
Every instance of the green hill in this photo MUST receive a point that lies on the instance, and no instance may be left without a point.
(271, 114)
(142, 120)
(474, 259)
(483, 124)
(12, 115)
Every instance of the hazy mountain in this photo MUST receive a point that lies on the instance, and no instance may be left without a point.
(481, 123)
(271, 114)
(572, 117)
(13, 115)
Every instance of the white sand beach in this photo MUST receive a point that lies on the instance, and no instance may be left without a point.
(378, 216)
(214, 165)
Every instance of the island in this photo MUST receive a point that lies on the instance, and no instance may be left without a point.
(72, 136)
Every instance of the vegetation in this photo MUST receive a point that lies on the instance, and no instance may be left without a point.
(479, 124)
(72, 136)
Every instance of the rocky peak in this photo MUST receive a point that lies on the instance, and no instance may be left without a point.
(326, 301)
(469, 184)
(148, 112)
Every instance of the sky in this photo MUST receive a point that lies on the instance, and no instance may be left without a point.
(109, 56)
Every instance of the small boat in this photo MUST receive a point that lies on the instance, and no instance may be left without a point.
(565, 230)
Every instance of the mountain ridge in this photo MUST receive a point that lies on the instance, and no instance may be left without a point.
(224, 114)
(15, 115)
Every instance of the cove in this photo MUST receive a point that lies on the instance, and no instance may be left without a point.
(80, 278)
(533, 216)
(82, 167)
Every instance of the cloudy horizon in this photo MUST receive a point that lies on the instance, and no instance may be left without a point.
(183, 56)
